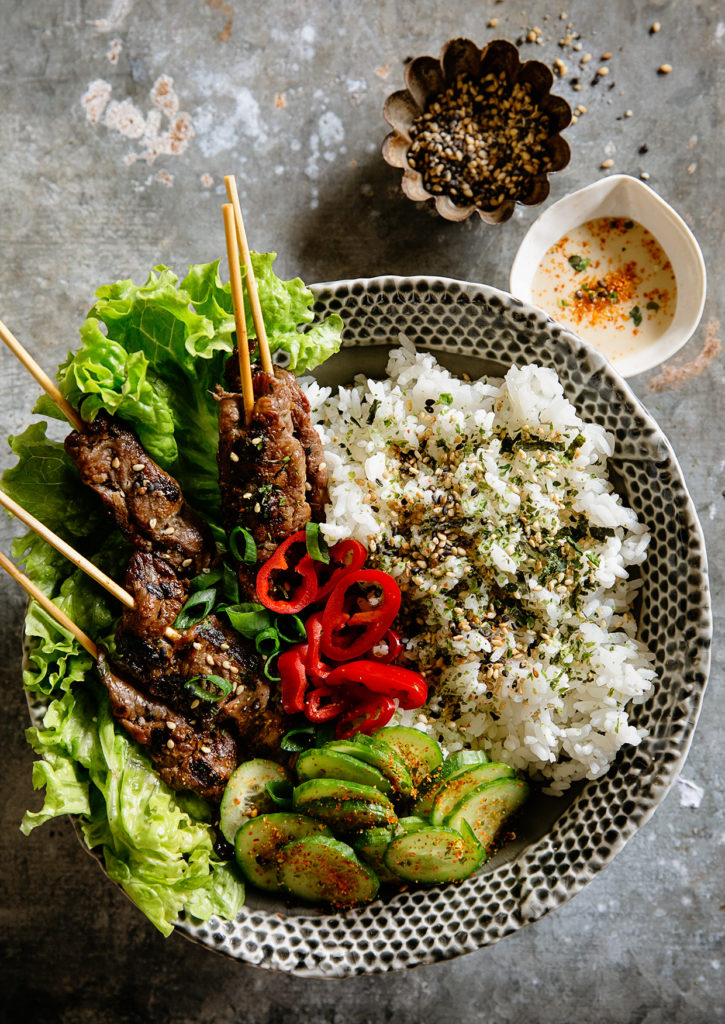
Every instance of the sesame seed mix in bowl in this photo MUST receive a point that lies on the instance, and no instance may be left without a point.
(489, 502)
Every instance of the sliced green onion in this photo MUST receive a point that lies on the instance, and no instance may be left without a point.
(267, 642)
(206, 579)
(270, 669)
(198, 690)
(196, 609)
(248, 552)
(249, 619)
(298, 739)
(324, 733)
(316, 545)
(280, 792)
(230, 585)
(291, 628)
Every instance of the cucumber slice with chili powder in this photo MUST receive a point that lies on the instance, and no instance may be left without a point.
(371, 845)
(335, 789)
(454, 765)
(411, 823)
(352, 815)
(488, 807)
(322, 762)
(432, 855)
(246, 795)
(457, 788)
(260, 839)
(381, 756)
(420, 752)
(318, 869)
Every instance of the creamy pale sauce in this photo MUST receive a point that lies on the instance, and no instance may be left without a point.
(610, 281)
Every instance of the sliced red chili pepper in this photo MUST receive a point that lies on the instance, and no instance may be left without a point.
(345, 557)
(346, 633)
(317, 669)
(394, 645)
(367, 717)
(291, 666)
(324, 703)
(296, 580)
(407, 687)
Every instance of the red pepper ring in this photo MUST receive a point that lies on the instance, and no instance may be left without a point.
(291, 665)
(317, 669)
(366, 717)
(325, 703)
(305, 592)
(394, 647)
(407, 687)
(347, 556)
(344, 644)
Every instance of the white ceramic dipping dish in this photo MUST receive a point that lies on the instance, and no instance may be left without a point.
(623, 196)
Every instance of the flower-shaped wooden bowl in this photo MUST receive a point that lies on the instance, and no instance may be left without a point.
(477, 130)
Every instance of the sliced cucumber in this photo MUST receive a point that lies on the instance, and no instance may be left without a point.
(488, 806)
(245, 794)
(335, 789)
(410, 824)
(420, 752)
(452, 766)
(464, 782)
(352, 815)
(323, 762)
(381, 756)
(434, 855)
(320, 869)
(260, 839)
(371, 846)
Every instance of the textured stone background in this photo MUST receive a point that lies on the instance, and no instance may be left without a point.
(288, 96)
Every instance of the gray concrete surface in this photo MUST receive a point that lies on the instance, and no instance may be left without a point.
(288, 96)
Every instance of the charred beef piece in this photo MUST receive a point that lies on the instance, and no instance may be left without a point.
(198, 756)
(163, 667)
(272, 473)
(146, 502)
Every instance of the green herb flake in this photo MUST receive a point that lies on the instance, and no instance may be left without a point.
(579, 263)
(446, 399)
(653, 305)
(635, 315)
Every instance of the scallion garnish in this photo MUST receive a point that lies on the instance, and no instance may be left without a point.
(280, 792)
(249, 619)
(196, 609)
(267, 642)
(270, 669)
(242, 545)
(296, 740)
(291, 628)
(579, 263)
(316, 545)
(195, 685)
(205, 580)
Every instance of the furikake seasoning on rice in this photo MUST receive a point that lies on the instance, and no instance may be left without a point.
(489, 502)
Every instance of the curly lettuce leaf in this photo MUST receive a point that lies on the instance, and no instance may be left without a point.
(152, 847)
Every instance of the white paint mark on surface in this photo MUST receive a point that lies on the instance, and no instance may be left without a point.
(114, 51)
(120, 9)
(331, 129)
(124, 117)
(308, 34)
(218, 128)
(610, 149)
(690, 793)
(95, 100)
(719, 31)
(312, 165)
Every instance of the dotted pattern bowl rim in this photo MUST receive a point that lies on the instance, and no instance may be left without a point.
(429, 925)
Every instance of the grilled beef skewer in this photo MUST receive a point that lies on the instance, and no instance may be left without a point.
(145, 501)
(272, 474)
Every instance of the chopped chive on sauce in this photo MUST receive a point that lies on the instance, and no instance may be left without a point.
(579, 263)
(635, 315)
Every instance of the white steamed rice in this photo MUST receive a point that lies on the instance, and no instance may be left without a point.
(489, 502)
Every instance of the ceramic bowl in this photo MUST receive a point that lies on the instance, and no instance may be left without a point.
(427, 79)
(620, 195)
(561, 843)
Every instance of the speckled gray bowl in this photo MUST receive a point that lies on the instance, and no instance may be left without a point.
(563, 843)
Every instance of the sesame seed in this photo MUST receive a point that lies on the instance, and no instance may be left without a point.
(247, 494)
(137, 467)
(171, 725)
(185, 563)
(196, 645)
(116, 462)
(664, 69)
(209, 659)
(224, 646)
(602, 72)
(195, 703)
(205, 750)
(170, 744)
(234, 457)
(605, 164)
(655, 27)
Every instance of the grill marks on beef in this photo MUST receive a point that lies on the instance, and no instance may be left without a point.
(272, 473)
(145, 501)
(198, 757)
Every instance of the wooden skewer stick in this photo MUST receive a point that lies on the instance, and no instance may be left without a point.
(75, 557)
(41, 377)
(254, 302)
(235, 277)
(52, 609)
